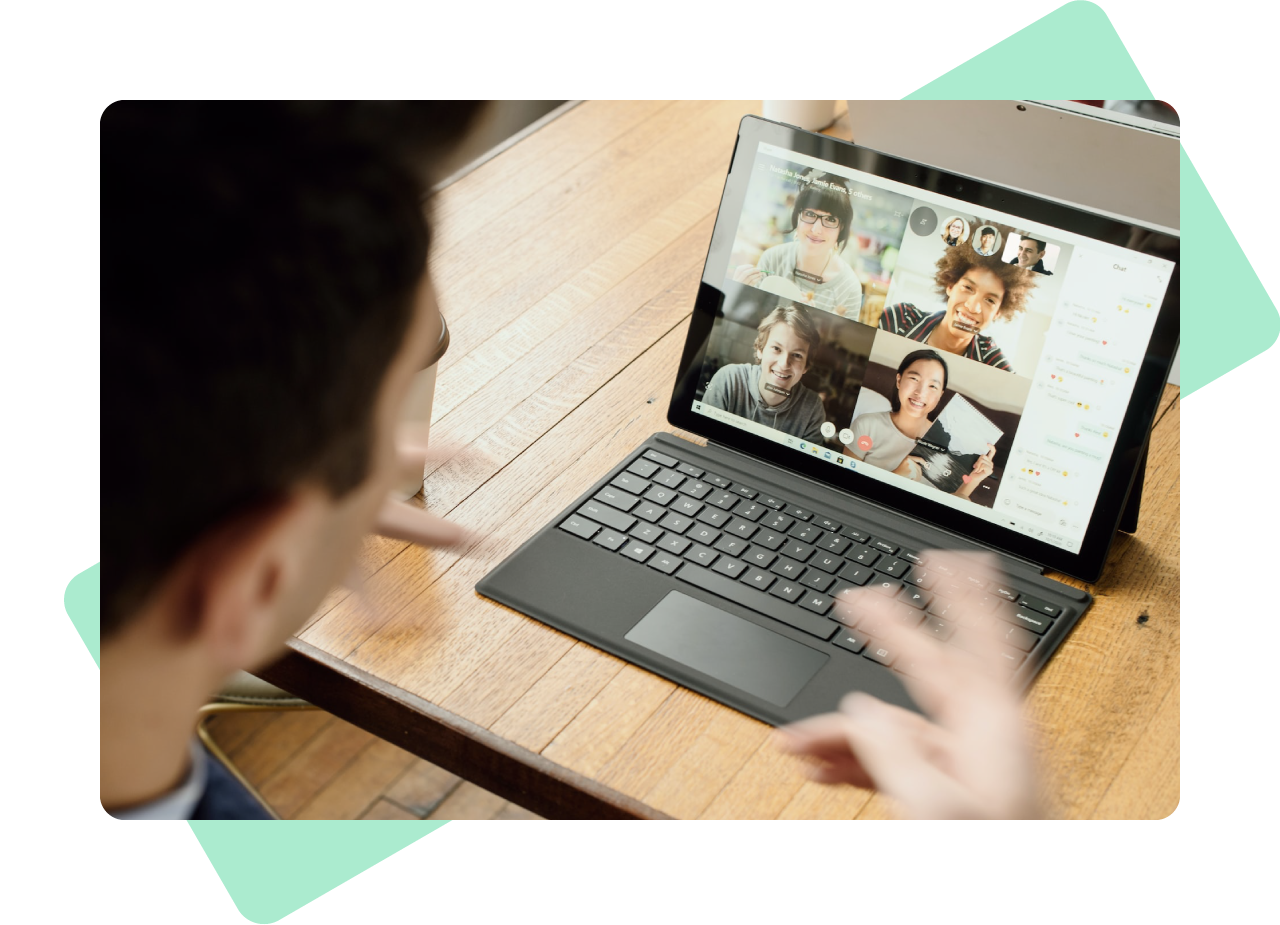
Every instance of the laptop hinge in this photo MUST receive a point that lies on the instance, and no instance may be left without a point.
(1033, 566)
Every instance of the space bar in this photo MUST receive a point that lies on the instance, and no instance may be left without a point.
(755, 600)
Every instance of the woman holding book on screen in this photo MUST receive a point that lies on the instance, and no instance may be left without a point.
(890, 439)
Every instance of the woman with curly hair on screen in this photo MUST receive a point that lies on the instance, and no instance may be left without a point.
(979, 290)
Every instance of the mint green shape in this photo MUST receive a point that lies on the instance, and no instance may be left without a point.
(83, 603)
(1227, 317)
(59, 618)
(271, 869)
(1073, 53)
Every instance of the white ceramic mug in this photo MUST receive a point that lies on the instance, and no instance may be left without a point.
(417, 405)
(810, 115)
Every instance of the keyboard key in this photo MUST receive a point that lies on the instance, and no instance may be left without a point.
(1024, 640)
(895, 567)
(689, 507)
(701, 554)
(724, 500)
(674, 544)
(921, 579)
(1003, 591)
(647, 510)
(643, 468)
(759, 556)
(665, 562)
(616, 497)
(818, 581)
(659, 495)
(609, 539)
(744, 491)
(676, 523)
(913, 557)
(835, 544)
(695, 489)
(909, 616)
(787, 590)
(884, 546)
(772, 503)
(637, 550)
(798, 513)
(757, 578)
(818, 603)
(692, 471)
(847, 639)
(826, 523)
(750, 510)
(943, 607)
(741, 528)
(668, 477)
(662, 458)
(602, 513)
(1024, 618)
(858, 536)
(879, 653)
(729, 566)
(769, 539)
(808, 533)
(780, 522)
(580, 526)
(916, 597)
(740, 593)
(787, 568)
(647, 533)
(984, 602)
(717, 480)
(885, 584)
(1011, 658)
(701, 533)
(938, 628)
(975, 581)
(826, 561)
(855, 574)
(632, 483)
(863, 555)
(731, 545)
(798, 551)
(1039, 606)
(713, 516)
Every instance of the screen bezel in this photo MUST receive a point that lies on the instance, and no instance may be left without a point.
(1134, 432)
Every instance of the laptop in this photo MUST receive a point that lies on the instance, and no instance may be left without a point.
(885, 359)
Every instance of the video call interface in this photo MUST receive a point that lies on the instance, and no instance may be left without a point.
(965, 356)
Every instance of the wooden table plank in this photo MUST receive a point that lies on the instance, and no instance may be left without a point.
(565, 342)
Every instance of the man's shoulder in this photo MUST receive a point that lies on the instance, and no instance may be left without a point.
(900, 317)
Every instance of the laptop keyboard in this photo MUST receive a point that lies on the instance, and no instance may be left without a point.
(789, 563)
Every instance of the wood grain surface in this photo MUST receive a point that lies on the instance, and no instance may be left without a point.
(566, 267)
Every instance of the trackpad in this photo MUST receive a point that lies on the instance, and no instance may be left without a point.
(751, 658)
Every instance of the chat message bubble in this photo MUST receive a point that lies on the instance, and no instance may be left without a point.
(1074, 447)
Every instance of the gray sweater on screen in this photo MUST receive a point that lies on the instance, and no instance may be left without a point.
(736, 389)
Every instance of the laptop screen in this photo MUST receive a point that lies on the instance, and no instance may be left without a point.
(976, 358)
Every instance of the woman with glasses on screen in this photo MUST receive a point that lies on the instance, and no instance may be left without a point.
(808, 269)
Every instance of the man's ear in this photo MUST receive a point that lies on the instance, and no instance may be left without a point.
(238, 577)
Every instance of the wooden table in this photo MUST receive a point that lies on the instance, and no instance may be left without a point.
(566, 267)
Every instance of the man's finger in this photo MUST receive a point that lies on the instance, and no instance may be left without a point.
(403, 522)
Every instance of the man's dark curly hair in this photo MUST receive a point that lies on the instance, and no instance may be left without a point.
(958, 260)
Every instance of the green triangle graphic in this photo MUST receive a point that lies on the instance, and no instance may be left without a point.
(271, 869)
(1073, 53)
(83, 603)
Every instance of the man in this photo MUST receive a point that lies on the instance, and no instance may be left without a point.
(1030, 255)
(266, 305)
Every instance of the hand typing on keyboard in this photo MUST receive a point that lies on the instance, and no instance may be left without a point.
(972, 758)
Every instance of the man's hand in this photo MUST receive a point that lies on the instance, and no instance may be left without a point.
(972, 759)
(402, 521)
